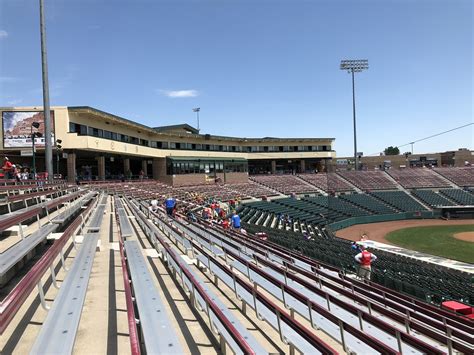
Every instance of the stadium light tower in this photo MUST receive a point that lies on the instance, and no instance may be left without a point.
(197, 109)
(354, 66)
(48, 149)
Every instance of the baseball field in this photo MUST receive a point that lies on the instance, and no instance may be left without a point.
(449, 239)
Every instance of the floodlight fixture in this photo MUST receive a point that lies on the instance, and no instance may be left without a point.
(354, 66)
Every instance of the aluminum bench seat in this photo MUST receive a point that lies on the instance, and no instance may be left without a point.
(157, 328)
(17, 252)
(58, 333)
(96, 220)
(125, 225)
(64, 216)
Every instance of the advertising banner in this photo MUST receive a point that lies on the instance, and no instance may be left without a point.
(17, 128)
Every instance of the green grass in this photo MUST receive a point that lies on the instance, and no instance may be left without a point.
(436, 240)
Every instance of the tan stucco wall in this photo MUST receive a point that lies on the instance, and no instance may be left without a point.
(73, 141)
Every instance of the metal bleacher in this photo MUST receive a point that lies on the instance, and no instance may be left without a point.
(58, 332)
(156, 327)
(16, 253)
(227, 327)
(351, 337)
(125, 226)
(328, 313)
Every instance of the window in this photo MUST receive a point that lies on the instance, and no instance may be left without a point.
(114, 136)
(154, 144)
(107, 134)
(73, 128)
(144, 142)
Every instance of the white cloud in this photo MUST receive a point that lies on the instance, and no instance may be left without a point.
(180, 93)
(14, 102)
(3, 34)
(8, 79)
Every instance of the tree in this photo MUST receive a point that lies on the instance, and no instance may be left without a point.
(392, 151)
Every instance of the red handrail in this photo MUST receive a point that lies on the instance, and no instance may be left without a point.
(15, 299)
(132, 325)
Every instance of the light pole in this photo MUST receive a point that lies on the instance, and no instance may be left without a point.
(33, 136)
(354, 66)
(197, 109)
(58, 150)
(48, 151)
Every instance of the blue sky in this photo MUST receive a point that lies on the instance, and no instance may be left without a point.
(256, 68)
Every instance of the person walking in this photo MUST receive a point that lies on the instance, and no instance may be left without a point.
(235, 220)
(170, 204)
(365, 259)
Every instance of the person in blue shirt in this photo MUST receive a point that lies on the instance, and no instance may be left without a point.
(170, 204)
(235, 220)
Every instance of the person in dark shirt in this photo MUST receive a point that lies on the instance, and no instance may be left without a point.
(170, 204)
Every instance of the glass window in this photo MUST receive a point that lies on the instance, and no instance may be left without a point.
(72, 127)
(107, 134)
(95, 132)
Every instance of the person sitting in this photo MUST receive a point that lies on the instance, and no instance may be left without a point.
(225, 223)
(191, 216)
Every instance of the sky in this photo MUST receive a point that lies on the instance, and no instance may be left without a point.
(260, 68)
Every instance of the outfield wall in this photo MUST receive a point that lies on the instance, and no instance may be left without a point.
(383, 218)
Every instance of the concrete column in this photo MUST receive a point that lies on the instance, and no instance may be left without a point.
(302, 166)
(274, 167)
(71, 167)
(145, 166)
(155, 168)
(126, 165)
(101, 167)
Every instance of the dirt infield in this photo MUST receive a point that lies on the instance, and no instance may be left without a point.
(466, 236)
(378, 231)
